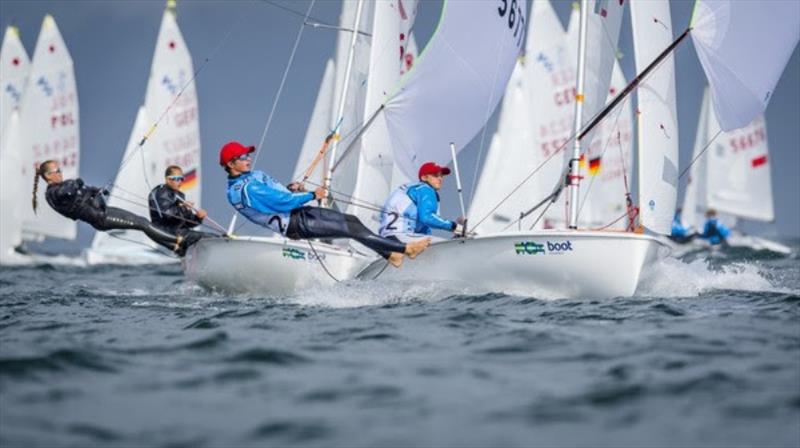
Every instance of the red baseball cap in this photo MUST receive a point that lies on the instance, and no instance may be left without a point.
(432, 168)
(232, 150)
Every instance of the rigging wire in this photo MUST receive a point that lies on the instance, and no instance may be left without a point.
(700, 154)
(277, 97)
(140, 145)
(317, 23)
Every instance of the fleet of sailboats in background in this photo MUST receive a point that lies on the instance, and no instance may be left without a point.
(176, 142)
(553, 211)
(40, 122)
(740, 184)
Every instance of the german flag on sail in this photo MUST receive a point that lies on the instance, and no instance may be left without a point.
(594, 166)
(189, 180)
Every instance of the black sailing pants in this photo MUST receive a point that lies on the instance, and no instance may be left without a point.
(117, 218)
(316, 222)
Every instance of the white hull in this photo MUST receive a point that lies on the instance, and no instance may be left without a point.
(568, 264)
(268, 265)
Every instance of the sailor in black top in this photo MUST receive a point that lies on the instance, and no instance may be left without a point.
(78, 201)
(171, 212)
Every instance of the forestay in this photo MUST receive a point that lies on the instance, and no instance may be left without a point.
(49, 127)
(657, 116)
(456, 83)
(743, 47)
(317, 130)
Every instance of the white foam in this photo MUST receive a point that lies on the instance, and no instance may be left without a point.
(671, 277)
(357, 293)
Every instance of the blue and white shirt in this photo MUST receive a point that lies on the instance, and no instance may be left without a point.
(263, 200)
(413, 209)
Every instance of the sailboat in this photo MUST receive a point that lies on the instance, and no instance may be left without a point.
(731, 174)
(365, 68)
(46, 127)
(517, 259)
(577, 262)
(14, 68)
(175, 141)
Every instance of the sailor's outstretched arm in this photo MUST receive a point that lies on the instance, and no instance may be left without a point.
(270, 200)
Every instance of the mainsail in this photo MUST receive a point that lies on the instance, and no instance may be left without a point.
(456, 83)
(49, 127)
(739, 184)
(14, 68)
(656, 116)
(317, 129)
(743, 47)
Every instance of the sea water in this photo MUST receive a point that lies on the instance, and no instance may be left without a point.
(706, 354)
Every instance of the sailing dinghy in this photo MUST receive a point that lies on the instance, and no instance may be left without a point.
(365, 69)
(731, 174)
(581, 263)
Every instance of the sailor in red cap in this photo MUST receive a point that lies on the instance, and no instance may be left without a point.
(412, 210)
(268, 203)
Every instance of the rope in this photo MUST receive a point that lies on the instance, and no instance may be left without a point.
(278, 95)
(321, 263)
(700, 154)
(196, 73)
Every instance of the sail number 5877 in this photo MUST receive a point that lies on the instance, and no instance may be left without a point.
(516, 19)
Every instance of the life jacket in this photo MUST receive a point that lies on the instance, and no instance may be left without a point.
(278, 222)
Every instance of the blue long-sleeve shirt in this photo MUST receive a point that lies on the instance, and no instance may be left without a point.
(715, 231)
(266, 195)
(427, 201)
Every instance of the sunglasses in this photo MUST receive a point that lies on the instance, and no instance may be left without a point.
(243, 157)
(55, 171)
(175, 178)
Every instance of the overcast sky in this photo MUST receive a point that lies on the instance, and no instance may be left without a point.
(112, 44)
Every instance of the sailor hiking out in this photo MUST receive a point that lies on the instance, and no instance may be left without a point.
(412, 210)
(78, 201)
(171, 212)
(268, 203)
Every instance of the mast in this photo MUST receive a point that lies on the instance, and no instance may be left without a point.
(574, 170)
(345, 88)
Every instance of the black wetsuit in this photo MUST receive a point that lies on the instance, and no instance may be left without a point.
(315, 222)
(169, 213)
(78, 201)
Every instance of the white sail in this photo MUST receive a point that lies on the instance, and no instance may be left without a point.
(743, 47)
(607, 165)
(510, 159)
(318, 129)
(14, 68)
(410, 55)
(13, 202)
(130, 192)
(694, 199)
(738, 171)
(344, 177)
(602, 34)
(49, 126)
(457, 82)
(374, 176)
(175, 141)
(657, 116)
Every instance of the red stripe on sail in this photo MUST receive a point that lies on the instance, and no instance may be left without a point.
(758, 161)
(403, 14)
